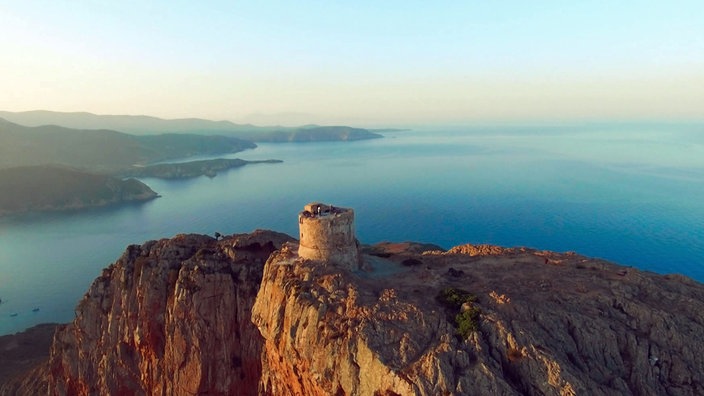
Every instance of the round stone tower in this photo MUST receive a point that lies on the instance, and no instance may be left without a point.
(327, 234)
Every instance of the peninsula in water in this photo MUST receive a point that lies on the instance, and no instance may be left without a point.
(52, 188)
(187, 170)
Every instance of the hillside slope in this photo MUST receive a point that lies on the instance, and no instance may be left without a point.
(50, 188)
(102, 150)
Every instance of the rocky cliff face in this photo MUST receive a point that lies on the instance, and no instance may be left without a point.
(193, 315)
(169, 317)
(549, 324)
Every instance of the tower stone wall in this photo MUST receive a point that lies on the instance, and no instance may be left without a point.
(327, 234)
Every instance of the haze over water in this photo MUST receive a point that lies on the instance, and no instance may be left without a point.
(627, 193)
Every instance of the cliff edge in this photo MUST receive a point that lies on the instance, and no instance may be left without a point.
(545, 324)
(246, 315)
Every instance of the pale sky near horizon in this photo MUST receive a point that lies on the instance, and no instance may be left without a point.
(366, 63)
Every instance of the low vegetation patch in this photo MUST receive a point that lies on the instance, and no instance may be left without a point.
(454, 298)
(467, 322)
(461, 310)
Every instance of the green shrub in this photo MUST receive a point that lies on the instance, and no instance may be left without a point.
(467, 321)
(454, 298)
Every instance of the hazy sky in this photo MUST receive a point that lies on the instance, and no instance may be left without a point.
(356, 62)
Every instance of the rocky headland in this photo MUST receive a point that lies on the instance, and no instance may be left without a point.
(246, 315)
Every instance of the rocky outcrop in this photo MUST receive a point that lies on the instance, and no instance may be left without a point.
(169, 317)
(478, 250)
(555, 324)
(196, 315)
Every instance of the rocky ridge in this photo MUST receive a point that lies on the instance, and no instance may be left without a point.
(245, 315)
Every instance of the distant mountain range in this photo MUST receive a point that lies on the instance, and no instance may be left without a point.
(103, 150)
(146, 125)
(134, 124)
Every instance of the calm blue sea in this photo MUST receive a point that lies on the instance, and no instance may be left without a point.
(632, 194)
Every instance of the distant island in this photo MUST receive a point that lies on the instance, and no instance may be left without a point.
(186, 170)
(55, 188)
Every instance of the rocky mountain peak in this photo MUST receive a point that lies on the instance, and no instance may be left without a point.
(245, 314)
